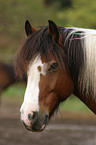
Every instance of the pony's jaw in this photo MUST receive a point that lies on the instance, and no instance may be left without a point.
(31, 100)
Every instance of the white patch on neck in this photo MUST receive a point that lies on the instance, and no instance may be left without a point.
(87, 78)
(31, 100)
(88, 74)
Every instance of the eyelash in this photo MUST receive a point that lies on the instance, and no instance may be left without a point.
(53, 67)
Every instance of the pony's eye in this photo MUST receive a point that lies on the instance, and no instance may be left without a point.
(53, 67)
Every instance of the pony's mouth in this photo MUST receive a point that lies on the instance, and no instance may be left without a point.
(38, 125)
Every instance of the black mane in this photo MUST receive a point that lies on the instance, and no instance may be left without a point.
(70, 56)
(74, 51)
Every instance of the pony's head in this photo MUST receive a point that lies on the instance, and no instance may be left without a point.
(48, 83)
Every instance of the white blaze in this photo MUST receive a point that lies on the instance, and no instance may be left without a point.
(31, 100)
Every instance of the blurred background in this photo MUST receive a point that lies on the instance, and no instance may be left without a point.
(13, 14)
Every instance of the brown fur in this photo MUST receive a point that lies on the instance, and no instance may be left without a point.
(56, 86)
(7, 76)
(51, 92)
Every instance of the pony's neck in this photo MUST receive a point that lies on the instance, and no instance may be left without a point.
(87, 100)
(80, 51)
(7, 76)
(9, 69)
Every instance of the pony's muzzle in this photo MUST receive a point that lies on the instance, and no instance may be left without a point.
(36, 121)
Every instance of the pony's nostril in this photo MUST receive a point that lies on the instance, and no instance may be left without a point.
(46, 119)
(32, 116)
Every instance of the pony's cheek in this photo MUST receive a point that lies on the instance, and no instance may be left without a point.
(49, 103)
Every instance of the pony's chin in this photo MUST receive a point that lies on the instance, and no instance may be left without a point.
(39, 130)
(33, 129)
(37, 126)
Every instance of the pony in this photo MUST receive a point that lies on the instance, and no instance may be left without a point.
(7, 76)
(59, 61)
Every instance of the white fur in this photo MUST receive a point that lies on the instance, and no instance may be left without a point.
(31, 100)
(88, 74)
(89, 69)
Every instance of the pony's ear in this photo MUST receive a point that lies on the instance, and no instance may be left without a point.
(28, 28)
(54, 32)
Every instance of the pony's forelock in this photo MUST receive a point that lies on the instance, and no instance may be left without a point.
(39, 43)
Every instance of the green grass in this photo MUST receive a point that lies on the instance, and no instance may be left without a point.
(14, 13)
(74, 104)
(16, 92)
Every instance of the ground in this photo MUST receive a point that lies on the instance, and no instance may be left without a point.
(66, 129)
